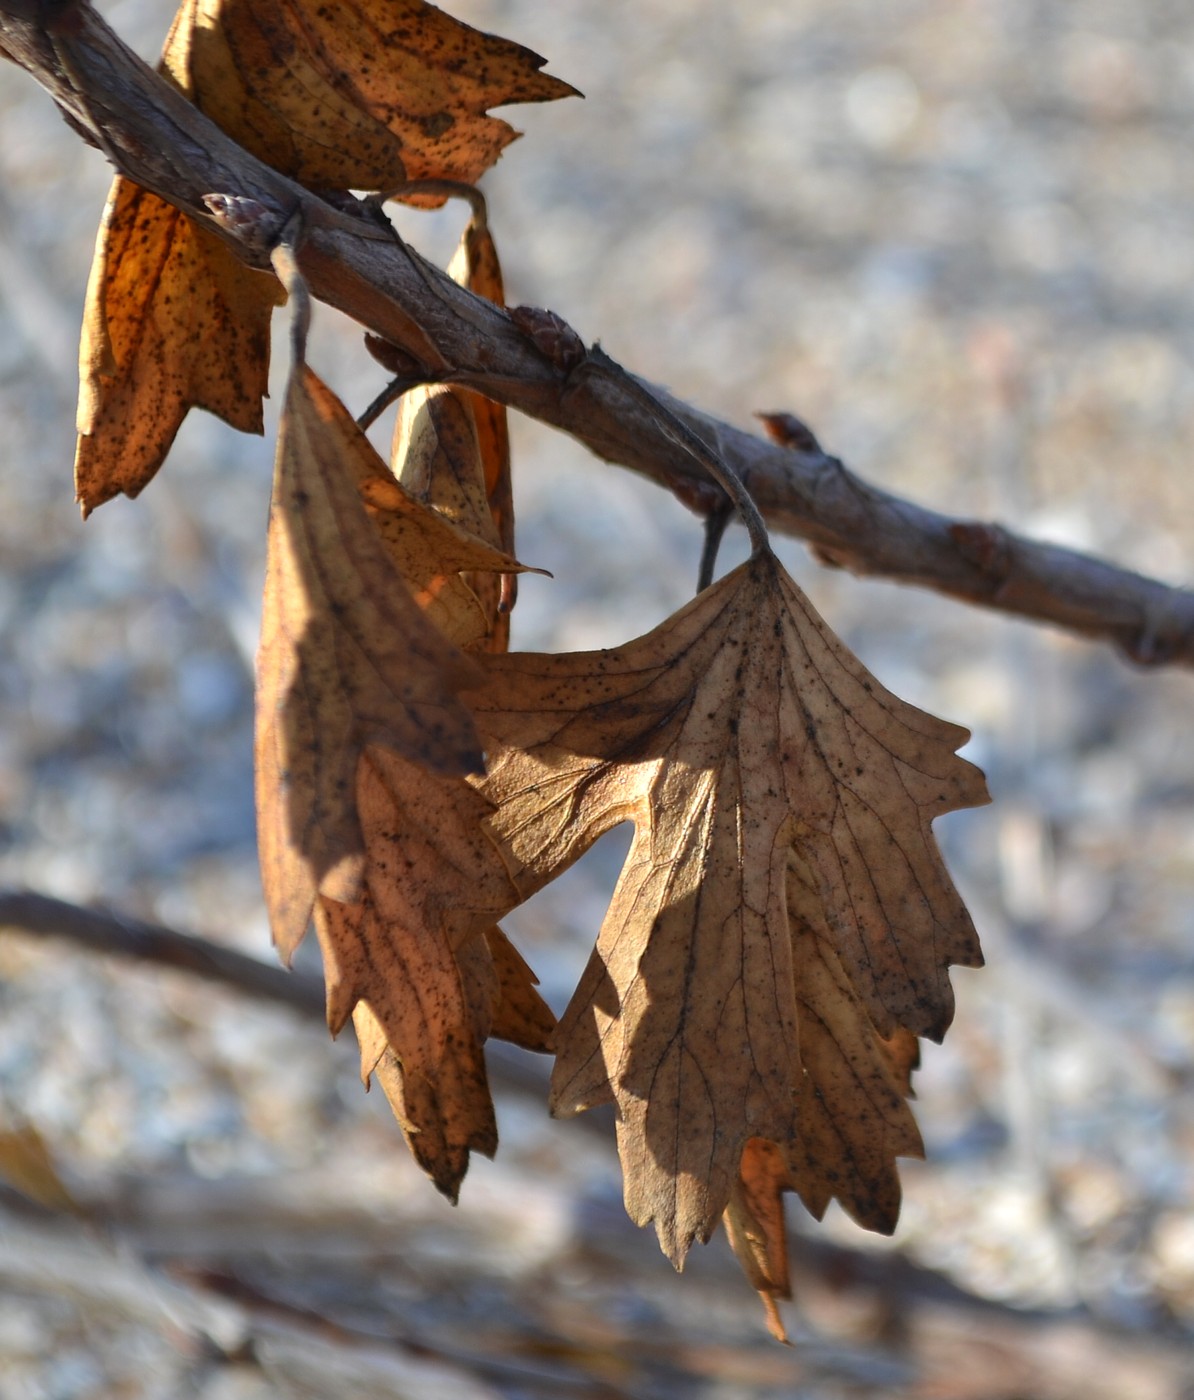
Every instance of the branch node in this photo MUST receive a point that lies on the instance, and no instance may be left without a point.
(257, 225)
(552, 336)
(985, 546)
(786, 430)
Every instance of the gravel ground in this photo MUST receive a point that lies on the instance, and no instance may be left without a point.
(957, 237)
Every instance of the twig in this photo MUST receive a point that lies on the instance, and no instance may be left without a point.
(153, 135)
(102, 931)
(106, 932)
(389, 395)
(725, 473)
(715, 528)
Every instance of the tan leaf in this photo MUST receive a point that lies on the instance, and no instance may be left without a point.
(738, 731)
(854, 1120)
(425, 983)
(426, 975)
(432, 551)
(346, 658)
(452, 448)
(520, 1015)
(173, 321)
(356, 95)
(851, 1111)
(476, 266)
(416, 1012)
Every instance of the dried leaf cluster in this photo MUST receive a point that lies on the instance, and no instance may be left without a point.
(781, 931)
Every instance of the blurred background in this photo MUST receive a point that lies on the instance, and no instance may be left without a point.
(957, 237)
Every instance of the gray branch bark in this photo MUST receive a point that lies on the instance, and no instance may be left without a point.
(152, 134)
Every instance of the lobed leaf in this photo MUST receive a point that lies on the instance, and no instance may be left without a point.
(353, 94)
(722, 1000)
(173, 321)
(346, 658)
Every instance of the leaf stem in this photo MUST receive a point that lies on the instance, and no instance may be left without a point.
(683, 436)
(390, 394)
(447, 189)
(715, 528)
(284, 259)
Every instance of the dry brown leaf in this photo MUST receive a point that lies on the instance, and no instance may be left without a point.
(520, 1015)
(27, 1165)
(347, 657)
(854, 1118)
(737, 732)
(337, 95)
(420, 965)
(452, 448)
(433, 551)
(360, 94)
(424, 980)
(173, 321)
(851, 1110)
(475, 266)
(755, 1226)
(423, 841)
(419, 1014)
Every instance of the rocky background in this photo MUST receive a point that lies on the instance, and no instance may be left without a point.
(957, 237)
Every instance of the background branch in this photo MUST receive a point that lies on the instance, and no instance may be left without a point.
(154, 136)
(110, 933)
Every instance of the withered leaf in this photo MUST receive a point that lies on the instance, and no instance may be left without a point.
(851, 1098)
(437, 457)
(173, 321)
(736, 734)
(347, 657)
(433, 550)
(420, 964)
(520, 1015)
(356, 94)
(452, 448)
(423, 839)
(851, 1111)
(475, 265)
(360, 94)
(755, 1225)
(424, 981)
(435, 1073)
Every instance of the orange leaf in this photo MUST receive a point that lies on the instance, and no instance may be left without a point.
(173, 321)
(360, 94)
(337, 95)
(754, 1220)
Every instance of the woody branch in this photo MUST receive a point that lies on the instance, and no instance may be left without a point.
(154, 136)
